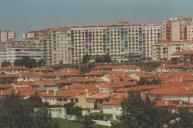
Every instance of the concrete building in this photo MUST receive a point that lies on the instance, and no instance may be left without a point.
(46, 48)
(18, 48)
(165, 50)
(176, 29)
(118, 40)
(6, 35)
(60, 47)
(122, 41)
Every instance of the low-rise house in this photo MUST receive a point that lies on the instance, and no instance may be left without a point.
(182, 93)
(113, 105)
(95, 101)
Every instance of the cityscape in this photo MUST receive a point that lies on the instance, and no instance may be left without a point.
(119, 74)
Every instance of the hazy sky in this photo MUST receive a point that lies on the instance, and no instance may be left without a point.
(26, 15)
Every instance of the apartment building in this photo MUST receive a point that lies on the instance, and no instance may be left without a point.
(118, 40)
(18, 48)
(46, 48)
(122, 41)
(6, 35)
(177, 29)
(60, 47)
(87, 40)
(165, 50)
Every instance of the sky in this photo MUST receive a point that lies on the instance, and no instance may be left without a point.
(26, 15)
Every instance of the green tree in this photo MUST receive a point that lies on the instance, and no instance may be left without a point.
(42, 119)
(185, 119)
(86, 58)
(68, 107)
(103, 58)
(41, 63)
(35, 102)
(16, 112)
(71, 109)
(87, 122)
(5, 63)
(107, 58)
(31, 63)
(26, 61)
(139, 114)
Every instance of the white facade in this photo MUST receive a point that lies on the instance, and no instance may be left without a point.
(60, 42)
(115, 40)
(18, 48)
(13, 53)
(6, 35)
(186, 98)
(165, 50)
(46, 47)
(115, 110)
(177, 29)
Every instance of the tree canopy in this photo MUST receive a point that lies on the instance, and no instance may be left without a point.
(16, 112)
(5, 63)
(139, 114)
(72, 109)
(103, 58)
(26, 61)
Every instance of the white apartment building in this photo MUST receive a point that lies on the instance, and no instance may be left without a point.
(117, 40)
(121, 41)
(46, 48)
(60, 44)
(6, 35)
(177, 29)
(87, 40)
(18, 48)
(165, 50)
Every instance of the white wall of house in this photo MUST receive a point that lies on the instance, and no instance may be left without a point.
(57, 112)
(115, 110)
(52, 100)
(187, 98)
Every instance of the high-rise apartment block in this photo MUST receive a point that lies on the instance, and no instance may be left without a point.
(16, 49)
(6, 35)
(122, 40)
(177, 29)
(117, 40)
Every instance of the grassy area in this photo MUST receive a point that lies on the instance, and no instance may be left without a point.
(73, 124)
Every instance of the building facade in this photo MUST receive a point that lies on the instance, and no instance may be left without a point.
(6, 35)
(119, 41)
(177, 29)
(165, 50)
(122, 41)
(18, 48)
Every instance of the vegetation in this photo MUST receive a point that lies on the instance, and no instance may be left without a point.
(103, 58)
(74, 124)
(185, 120)
(26, 61)
(144, 114)
(72, 109)
(35, 102)
(87, 122)
(146, 65)
(100, 116)
(139, 114)
(86, 58)
(41, 63)
(76, 66)
(18, 113)
(5, 63)
(147, 82)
